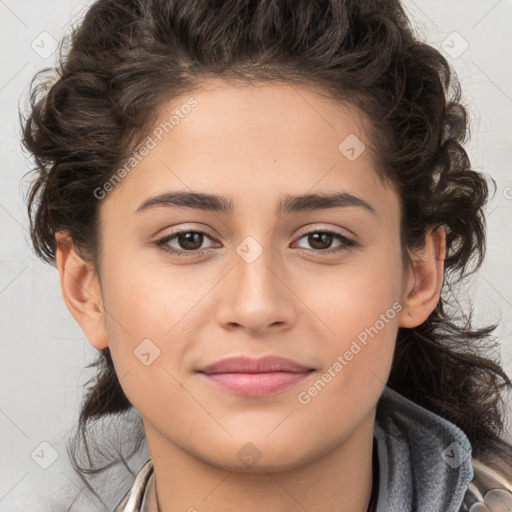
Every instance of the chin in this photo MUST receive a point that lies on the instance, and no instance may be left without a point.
(263, 457)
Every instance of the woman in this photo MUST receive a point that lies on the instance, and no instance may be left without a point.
(258, 211)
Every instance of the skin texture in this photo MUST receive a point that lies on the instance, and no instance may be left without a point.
(254, 144)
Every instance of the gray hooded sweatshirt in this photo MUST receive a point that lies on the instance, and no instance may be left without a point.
(424, 463)
(424, 460)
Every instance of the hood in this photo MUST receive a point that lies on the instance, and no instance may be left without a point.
(424, 460)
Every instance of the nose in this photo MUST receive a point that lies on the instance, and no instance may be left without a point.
(256, 294)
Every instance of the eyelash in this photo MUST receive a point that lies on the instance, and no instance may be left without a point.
(162, 243)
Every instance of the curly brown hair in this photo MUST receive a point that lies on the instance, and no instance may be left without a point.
(129, 57)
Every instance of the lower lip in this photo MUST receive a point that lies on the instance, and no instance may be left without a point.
(255, 384)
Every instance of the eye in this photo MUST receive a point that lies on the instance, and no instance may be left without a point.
(188, 241)
(321, 241)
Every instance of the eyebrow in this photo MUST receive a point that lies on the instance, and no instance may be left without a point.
(287, 204)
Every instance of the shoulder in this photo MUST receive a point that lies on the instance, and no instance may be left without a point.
(489, 491)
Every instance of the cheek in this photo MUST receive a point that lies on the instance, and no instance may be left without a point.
(149, 299)
(148, 323)
(350, 297)
(357, 351)
(358, 308)
(142, 326)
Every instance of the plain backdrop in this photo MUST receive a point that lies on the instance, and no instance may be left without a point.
(43, 352)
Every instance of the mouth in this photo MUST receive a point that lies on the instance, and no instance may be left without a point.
(255, 377)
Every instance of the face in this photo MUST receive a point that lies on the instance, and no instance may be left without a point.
(318, 283)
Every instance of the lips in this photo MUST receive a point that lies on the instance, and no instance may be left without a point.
(255, 377)
(265, 364)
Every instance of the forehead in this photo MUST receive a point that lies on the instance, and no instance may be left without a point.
(244, 114)
(255, 143)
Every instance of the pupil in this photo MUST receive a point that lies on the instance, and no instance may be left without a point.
(315, 238)
(186, 240)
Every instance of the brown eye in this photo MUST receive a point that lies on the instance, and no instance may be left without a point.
(190, 240)
(184, 242)
(321, 241)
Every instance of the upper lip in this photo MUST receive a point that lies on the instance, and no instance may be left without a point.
(243, 364)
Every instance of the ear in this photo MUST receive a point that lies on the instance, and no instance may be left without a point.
(81, 291)
(425, 278)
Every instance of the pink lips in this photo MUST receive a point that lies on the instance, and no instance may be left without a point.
(255, 377)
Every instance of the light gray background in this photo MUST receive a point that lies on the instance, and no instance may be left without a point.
(43, 351)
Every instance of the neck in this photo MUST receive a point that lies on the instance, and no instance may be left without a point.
(340, 479)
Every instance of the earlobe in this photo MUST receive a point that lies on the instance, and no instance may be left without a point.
(81, 291)
(425, 279)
